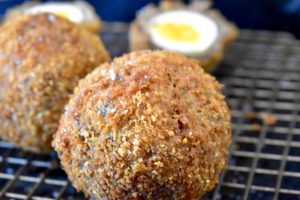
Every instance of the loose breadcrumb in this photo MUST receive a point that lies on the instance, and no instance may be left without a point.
(268, 119)
(255, 127)
(250, 115)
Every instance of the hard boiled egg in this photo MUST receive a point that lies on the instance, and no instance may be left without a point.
(183, 31)
(66, 10)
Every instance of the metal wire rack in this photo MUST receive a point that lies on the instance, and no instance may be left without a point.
(261, 72)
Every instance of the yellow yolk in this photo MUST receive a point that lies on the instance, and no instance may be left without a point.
(177, 32)
(63, 14)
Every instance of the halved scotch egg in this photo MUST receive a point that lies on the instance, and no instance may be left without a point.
(195, 30)
(65, 10)
(79, 12)
(186, 32)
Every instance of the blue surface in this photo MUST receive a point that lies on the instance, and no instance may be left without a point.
(263, 14)
(250, 14)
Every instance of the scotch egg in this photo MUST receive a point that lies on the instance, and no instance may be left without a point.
(195, 30)
(65, 10)
(79, 12)
(182, 31)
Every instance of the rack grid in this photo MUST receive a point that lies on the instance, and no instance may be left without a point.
(261, 74)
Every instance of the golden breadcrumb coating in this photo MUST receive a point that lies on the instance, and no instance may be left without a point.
(150, 125)
(42, 58)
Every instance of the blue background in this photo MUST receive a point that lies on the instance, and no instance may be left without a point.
(251, 14)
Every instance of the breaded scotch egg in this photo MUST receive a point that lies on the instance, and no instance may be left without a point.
(150, 125)
(42, 58)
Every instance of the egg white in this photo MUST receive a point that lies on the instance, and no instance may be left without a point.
(204, 25)
(73, 13)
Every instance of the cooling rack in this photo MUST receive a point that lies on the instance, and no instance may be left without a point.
(261, 72)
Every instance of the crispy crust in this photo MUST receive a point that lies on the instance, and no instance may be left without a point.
(42, 57)
(151, 125)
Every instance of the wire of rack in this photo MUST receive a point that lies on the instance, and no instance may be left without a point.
(261, 74)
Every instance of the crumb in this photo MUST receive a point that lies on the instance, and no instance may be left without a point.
(268, 119)
(250, 115)
(255, 127)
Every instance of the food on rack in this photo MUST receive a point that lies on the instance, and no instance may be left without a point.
(194, 30)
(80, 12)
(150, 125)
(255, 127)
(42, 57)
(266, 118)
(250, 115)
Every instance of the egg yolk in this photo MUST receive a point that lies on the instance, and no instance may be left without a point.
(63, 14)
(177, 32)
